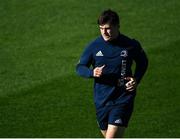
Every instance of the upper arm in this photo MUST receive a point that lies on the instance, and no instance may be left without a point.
(86, 57)
(139, 54)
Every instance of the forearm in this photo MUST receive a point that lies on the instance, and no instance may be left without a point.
(84, 71)
(140, 70)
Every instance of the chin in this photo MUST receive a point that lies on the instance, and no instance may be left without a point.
(107, 39)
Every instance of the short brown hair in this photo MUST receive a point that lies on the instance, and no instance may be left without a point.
(108, 16)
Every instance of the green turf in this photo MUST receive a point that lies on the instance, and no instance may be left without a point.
(40, 44)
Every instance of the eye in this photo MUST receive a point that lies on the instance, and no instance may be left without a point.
(101, 28)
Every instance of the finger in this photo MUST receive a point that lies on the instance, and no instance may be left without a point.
(130, 88)
(129, 78)
(99, 71)
(102, 67)
(97, 75)
(129, 83)
(133, 83)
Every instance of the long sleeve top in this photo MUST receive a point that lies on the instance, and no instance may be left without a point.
(117, 56)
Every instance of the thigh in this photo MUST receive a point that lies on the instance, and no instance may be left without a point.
(120, 116)
(102, 119)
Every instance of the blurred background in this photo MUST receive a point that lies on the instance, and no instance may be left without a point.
(40, 44)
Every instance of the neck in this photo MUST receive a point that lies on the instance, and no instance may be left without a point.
(115, 38)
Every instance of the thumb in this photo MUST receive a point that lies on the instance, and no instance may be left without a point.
(102, 67)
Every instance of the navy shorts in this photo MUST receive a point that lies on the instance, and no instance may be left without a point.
(114, 115)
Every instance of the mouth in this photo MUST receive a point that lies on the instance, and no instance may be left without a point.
(107, 36)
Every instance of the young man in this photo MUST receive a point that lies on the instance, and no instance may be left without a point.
(111, 56)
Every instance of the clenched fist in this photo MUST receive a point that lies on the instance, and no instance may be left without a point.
(97, 72)
(131, 84)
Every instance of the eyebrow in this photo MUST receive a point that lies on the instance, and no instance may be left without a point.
(105, 27)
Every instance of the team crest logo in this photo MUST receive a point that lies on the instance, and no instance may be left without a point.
(124, 53)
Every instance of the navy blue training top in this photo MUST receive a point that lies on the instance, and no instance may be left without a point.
(117, 56)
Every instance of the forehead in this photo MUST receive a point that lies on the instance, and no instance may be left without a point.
(105, 26)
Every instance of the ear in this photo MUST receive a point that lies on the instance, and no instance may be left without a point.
(117, 26)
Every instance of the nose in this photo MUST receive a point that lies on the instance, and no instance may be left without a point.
(104, 31)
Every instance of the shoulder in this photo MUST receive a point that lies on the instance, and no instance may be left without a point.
(94, 43)
(97, 40)
(128, 40)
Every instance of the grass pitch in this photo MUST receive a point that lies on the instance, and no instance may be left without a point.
(40, 44)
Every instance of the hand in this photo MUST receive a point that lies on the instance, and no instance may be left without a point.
(131, 84)
(97, 72)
